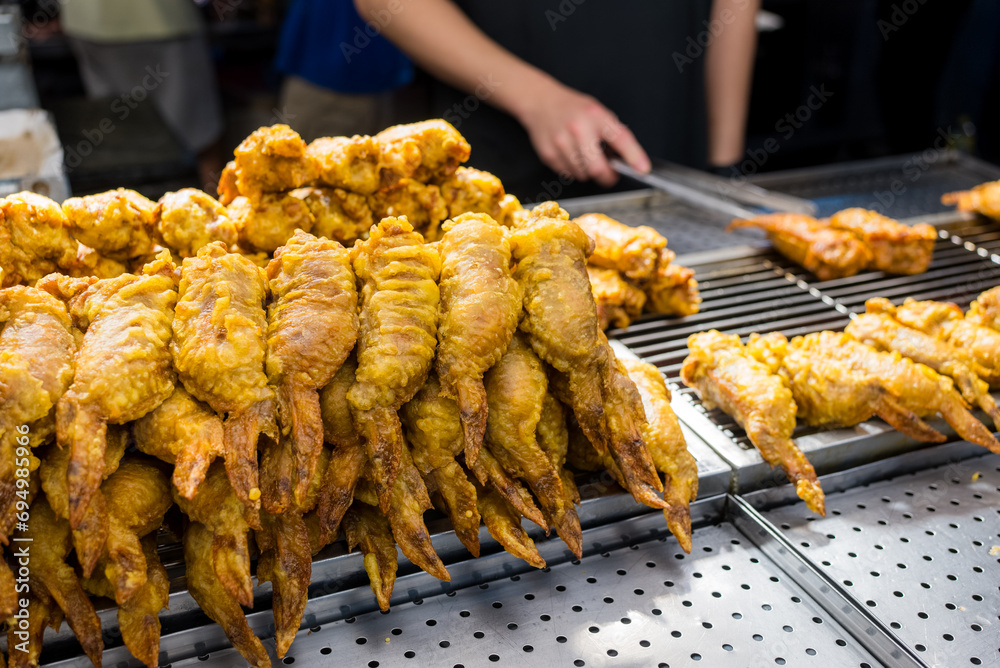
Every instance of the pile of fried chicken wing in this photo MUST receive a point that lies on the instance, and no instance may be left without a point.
(904, 364)
(360, 331)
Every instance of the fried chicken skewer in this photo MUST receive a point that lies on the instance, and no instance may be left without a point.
(726, 376)
(312, 328)
(984, 199)
(896, 248)
(219, 350)
(480, 310)
(398, 330)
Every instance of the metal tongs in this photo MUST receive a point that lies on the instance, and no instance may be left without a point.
(714, 193)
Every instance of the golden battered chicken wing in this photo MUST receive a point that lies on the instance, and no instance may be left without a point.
(123, 368)
(985, 310)
(895, 248)
(480, 309)
(490, 472)
(312, 328)
(504, 524)
(409, 500)
(189, 219)
(419, 203)
(726, 376)
(471, 190)
(368, 529)
(224, 517)
(618, 301)
(673, 289)
(38, 343)
(117, 223)
(219, 350)
(828, 253)
(34, 238)
(426, 151)
(201, 553)
(351, 163)
(633, 251)
(397, 337)
(663, 436)
(268, 222)
(286, 562)
(184, 432)
(984, 199)
(272, 159)
(338, 215)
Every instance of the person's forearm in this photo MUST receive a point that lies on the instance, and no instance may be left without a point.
(440, 38)
(728, 74)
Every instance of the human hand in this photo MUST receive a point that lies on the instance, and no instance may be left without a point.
(568, 130)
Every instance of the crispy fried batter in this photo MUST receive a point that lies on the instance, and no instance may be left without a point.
(184, 432)
(826, 252)
(338, 215)
(218, 351)
(727, 376)
(312, 328)
(398, 328)
(426, 151)
(368, 529)
(116, 223)
(268, 222)
(985, 310)
(89, 262)
(200, 554)
(984, 199)
(351, 163)
(123, 368)
(663, 436)
(618, 301)
(895, 248)
(421, 204)
(471, 190)
(189, 219)
(34, 238)
(632, 251)
(480, 309)
(673, 289)
(228, 189)
(272, 159)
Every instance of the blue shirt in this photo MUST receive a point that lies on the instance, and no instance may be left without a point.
(328, 44)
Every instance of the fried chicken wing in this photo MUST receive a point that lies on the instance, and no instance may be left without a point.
(516, 389)
(338, 215)
(471, 190)
(673, 289)
(946, 322)
(829, 392)
(268, 222)
(491, 473)
(123, 368)
(480, 310)
(663, 436)
(351, 163)
(895, 248)
(426, 151)
(286, 562)
(189, 219)
(89, 262)
(421, 204)
(272, 159)
(919, 388)
(877, 328)
(38, 343)
(201, 554)
(368, 530)
(397, 337)
(90, 536)
(618, 301)
(504, 524)
(184, 432)
(434, 431)
(228, 190)
(632, 251)
(409, 500)
(312, 328)
(116, 223)
(138, 617)
(726, 376)
(828, 253)
(219, 348)
(985, 310)
(34, 238)
(984, 199)
(224, 517)
(348, 458)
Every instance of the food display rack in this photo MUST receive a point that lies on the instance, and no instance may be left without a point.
(766, 583)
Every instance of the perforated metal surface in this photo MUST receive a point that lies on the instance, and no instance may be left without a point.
(918, 551)
(644, 605)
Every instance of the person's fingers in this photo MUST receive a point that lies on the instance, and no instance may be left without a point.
(571, 154)
(595, 162)
(624, 143)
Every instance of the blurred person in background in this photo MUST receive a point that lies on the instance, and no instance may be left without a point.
(339, 73)
(568, 78)
(160, 47)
